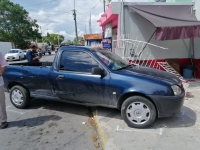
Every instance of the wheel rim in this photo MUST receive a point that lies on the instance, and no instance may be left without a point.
(138, 113)
(17, 97)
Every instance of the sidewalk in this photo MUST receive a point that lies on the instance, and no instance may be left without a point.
(180, 132)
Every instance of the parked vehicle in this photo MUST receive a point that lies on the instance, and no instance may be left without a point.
(25, 51)
(14, 54)
(82, 75)
(49, 51)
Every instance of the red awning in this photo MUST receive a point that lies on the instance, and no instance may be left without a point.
(171, 21)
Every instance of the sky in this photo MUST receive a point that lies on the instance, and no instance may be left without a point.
(55, 16)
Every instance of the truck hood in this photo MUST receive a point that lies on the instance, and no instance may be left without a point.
(152, 73)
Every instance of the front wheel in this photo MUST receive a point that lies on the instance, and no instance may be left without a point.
(138, 112)
(19, 97)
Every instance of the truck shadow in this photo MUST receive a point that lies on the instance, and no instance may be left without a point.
(33, 122)
(185, 118)
(61, 107)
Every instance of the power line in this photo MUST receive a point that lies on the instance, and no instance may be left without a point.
(40, 3)
(49, 15)
(91, 8)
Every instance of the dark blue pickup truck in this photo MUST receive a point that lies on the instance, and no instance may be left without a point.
(91, 77)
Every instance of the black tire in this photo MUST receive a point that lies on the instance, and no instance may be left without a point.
(146, 104)
(20, 58)
(25, 97)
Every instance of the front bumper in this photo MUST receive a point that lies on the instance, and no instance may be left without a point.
(168, 105)
(10, 58)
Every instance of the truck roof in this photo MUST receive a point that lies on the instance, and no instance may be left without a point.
(85, 48)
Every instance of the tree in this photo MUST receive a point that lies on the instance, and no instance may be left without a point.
(108, 1)
(77, 42)
(55, 39)
(68, 42)
(16, 25)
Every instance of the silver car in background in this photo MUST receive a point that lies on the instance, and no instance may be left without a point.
(14, 54)
(24, 51)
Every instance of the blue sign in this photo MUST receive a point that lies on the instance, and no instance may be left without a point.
(107, 43)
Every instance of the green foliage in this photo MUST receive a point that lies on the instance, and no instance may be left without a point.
(77, 42)
(108, 1)
(53, 38)
(68, 42)
(16, 25)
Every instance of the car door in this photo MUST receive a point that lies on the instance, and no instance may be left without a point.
(74, 80)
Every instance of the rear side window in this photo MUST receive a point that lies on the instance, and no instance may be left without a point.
(77, 61)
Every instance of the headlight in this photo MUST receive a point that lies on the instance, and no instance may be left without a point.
(176, 89)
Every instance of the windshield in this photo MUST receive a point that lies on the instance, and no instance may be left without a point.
(13, 51)
(111, 60)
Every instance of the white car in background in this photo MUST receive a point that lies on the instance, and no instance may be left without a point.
(24, 51)
(14, 54)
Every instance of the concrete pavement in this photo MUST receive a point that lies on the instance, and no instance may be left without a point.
(180, 132)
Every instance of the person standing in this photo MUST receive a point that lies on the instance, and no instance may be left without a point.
(3, 114)
(30, 55)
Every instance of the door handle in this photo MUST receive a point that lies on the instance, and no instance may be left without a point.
(31, 76)
(60, 77)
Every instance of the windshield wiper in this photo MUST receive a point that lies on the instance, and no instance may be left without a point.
(128, 66)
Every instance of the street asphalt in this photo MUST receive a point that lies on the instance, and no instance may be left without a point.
(48, 125)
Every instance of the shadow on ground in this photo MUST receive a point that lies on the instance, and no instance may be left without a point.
(33, 122)
(185, 118)
(60, 106)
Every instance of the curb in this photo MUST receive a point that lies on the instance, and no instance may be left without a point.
(102, 134)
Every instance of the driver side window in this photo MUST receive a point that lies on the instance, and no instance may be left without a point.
(77, 61)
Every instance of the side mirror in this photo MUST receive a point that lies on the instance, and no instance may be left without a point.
(98, 71)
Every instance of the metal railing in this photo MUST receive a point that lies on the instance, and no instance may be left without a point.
(135, 51)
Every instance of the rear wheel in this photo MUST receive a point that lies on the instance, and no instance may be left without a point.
(20, 58)
(138, 112)
(20, 97)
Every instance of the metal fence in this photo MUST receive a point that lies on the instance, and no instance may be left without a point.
(135, 51)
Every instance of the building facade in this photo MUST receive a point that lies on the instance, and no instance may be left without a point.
(92, 39)
(126, 24)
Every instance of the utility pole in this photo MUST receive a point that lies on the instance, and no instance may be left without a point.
(85, 29)
(90, 24)
(74, 13)
(104, 5)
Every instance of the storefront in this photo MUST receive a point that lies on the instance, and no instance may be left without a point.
(139, 21)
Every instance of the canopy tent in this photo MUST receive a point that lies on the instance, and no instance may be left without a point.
(171, 21)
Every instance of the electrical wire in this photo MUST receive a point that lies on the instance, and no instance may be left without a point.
(49, 15)
(40, 3)
(90, 9)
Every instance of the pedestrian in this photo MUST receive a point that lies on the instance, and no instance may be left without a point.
(3, 115)
(31, 54)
